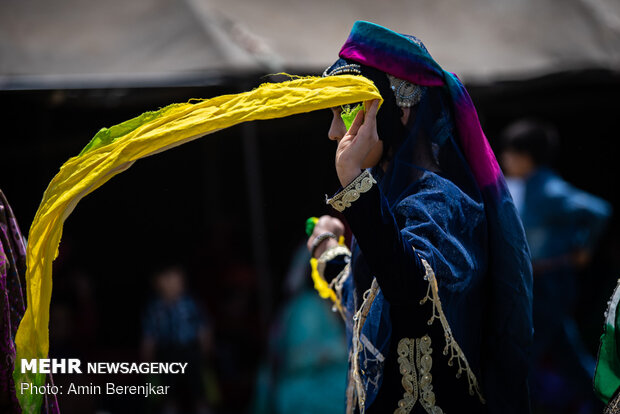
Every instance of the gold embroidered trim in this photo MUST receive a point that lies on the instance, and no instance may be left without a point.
(416, 354)
(424, 361)
(335, 285)
(358, 322)
(406, 349)
(331, 254)
(338, 282)
(452, 347)
(352, 192)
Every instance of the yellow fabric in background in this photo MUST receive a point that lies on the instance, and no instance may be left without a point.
(168, 128)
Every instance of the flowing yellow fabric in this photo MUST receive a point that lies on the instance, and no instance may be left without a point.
(114, 150)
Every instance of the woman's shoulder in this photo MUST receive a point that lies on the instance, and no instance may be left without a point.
(432, 187)
(438, 199)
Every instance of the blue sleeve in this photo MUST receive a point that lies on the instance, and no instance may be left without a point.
(587, 213)
(443, 226)
(388, 253)
(560, 218)
(447, 229)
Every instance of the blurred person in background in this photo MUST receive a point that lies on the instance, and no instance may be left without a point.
(562, 225)
(175, 329)
(306, 366)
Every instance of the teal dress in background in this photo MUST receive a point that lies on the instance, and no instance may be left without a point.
(307, 368)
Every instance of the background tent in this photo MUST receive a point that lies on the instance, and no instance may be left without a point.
(72, 43)
(480, 40)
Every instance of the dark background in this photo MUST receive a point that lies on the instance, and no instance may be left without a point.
(234, 226)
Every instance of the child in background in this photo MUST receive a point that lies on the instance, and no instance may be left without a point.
(176, 330)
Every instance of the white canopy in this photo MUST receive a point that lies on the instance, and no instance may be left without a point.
(76, 43)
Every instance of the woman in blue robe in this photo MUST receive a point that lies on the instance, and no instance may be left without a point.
(436, 290)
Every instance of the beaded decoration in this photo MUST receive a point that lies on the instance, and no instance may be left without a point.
(362, 184)
(350, 69)
(407, 94)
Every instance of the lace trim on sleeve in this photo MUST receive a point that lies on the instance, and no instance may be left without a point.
(352, 192)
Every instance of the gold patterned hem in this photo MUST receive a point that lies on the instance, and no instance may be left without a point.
(409, 381)
(415, 361)
(352, 192)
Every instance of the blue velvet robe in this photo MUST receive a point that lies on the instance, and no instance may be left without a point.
(439, 223)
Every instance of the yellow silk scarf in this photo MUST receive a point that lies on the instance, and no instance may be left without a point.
(114, 150)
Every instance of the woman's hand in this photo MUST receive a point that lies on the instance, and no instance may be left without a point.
(360, 147)
(325, 224)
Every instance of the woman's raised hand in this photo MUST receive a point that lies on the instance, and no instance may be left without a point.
(360, 147)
